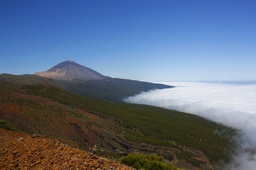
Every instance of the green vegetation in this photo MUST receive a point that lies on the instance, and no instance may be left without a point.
(112, 89)
(6, 125)
(142, 161)
(188, 157)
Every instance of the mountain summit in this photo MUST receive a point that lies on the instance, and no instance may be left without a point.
(70, 70)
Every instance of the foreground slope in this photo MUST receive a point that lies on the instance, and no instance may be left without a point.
(21, 151)
(115, 129)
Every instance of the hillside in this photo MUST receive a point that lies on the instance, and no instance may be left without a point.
(112, 89)
(21, 151)
(115, 129)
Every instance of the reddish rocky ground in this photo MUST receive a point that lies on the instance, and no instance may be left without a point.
(21, 151)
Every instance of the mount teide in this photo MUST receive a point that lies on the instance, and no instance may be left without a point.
(69, 70)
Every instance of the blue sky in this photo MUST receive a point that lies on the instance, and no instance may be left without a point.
(160, 40)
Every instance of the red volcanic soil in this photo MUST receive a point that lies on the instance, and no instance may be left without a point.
(21, 151)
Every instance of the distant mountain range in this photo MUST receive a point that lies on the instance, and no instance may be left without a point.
(69, 70)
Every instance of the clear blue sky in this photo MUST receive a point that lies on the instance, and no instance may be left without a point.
(160, 40)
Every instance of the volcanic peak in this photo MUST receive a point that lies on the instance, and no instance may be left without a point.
(70, 70)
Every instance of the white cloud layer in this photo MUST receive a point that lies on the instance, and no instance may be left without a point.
(231, 104)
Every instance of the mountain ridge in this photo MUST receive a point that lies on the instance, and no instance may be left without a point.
(112, 89)
(83, 81)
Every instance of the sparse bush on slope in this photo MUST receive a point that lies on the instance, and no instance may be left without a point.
(144, 161)
(6, 125)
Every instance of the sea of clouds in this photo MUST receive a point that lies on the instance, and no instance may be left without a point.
(233, 105)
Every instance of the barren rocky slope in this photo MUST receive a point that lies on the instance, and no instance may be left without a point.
(21, 151)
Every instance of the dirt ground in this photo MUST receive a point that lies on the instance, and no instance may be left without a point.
(21, 151)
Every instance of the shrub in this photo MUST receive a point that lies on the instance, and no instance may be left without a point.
(147, 162)
(6, 125)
